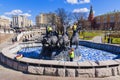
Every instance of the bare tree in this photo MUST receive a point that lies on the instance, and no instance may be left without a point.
(77, 16)
(80, 18)
(52, 18)
(62, 19)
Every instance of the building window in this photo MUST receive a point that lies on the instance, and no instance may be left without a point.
(119, 17)
(112, 18)
(105, 19)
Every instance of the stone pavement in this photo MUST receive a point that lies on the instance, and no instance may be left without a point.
(96, 39)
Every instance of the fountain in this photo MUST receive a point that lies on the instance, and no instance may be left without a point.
(54, 46)
(57, 47)
(51, 57)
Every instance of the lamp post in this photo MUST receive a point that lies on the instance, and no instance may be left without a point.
(83, 33)
(109, 40)
(105, 35)
(82, 30)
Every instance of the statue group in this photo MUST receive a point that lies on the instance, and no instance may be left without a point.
(53, 41)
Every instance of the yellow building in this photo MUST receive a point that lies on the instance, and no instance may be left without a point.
(108, 21)
(45, 18)
(4, 23)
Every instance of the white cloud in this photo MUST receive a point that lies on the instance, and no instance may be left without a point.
(26, 14)
(17, 12)
(72, 1)
(77, 1)
(5, 17)
(81, 10)
(84, 1)
(14, 12)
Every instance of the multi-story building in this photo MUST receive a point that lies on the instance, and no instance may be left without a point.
(44, 19)
(21, 21)
(4, 23)
(108, 21)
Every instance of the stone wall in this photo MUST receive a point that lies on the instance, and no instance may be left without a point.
(52, 69)
(63, 68)
(105, 47)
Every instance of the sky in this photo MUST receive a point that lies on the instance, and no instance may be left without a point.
(32, 8)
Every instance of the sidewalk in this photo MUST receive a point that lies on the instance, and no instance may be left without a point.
(96, 39)
(6, 43)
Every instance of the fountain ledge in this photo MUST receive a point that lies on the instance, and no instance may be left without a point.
(59, 68)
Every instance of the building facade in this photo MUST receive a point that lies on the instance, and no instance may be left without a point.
(4, 23)
(44, 19)
(21, 21)
(108, 21)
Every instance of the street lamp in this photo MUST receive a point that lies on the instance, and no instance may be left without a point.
(104, 35)
(83, 33)
(109, 37)
(82, 30)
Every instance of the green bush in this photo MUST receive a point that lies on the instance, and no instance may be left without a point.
(116, 40)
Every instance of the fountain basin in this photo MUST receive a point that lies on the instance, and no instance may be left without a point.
(59, 68)
(87, 54)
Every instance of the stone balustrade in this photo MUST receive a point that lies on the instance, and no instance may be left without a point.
(7, 31)
(27, 34)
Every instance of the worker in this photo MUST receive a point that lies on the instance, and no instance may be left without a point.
(71, 54)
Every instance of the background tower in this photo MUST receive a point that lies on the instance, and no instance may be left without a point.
(91, 17)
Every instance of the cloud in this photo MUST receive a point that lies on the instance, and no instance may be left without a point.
(81, 10)
(5, 17)
(14, 12)
(84, 1)
(17, 12)
(72, 1)
(26, 14)
(77, 1)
